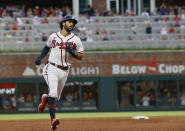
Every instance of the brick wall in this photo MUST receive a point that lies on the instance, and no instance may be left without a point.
(101, 64)
(100, 5)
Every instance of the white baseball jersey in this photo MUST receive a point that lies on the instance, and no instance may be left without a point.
(57, 43)
(54, 76)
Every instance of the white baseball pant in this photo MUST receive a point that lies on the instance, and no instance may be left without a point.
(55, 79)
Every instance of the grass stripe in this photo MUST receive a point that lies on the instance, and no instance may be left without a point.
(89, 115)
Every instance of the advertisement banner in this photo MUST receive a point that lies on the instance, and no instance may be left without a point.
(128, 63)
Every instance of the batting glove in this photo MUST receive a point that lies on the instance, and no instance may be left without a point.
(71, 51)
(38, 61)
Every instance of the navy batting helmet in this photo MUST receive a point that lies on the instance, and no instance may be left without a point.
(68, 17)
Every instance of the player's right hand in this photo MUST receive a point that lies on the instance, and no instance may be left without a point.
(38, 61)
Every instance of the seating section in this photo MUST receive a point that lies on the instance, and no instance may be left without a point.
(95, 29)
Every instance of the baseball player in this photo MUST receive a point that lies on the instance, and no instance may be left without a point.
(63, 46)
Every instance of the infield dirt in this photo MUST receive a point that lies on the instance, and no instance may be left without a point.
(100, 124)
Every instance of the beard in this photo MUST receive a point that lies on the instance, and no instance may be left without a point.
(68, 29)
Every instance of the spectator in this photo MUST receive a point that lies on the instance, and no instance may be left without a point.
(171, 11)
(19, 21)
(148, 29)
(20, 34)
(68, 11)
(75, 96)
(152, 99)
(183, 15)
(19, 41)
(167, 19)
(69, 97)
(5, 103)
(21, 12)
(27, 22)
(85, 96)
(171, 30)
(2, 23)
(1, 106)
(168, 98)
(145, 100)
(15, 26)
(138, 98)
(27, 40)
(147, 20)
(9, 35)
(164, 32)
(176, 19)
(14, 34)
(36, 20)
(90, 11)
(50, 11)
(183, 27)
(157, 19)
(44, 37)
(29, 12)
(132, 13)
(44, 12)
(89, 35)
(37, 10)
(7, 27)
(145, 13)
(89, 20)
(91, 97)
(129, 38)
(163, 11)
(1, 12)
(83, 36)
(112, 32)
(127, 13)
(104, 33)
(89, 38)
(45, 21)
(150, 38)
(133, 29)
(38, 35)
(182, 99)
(97, 32)
(21, 98)
(29, 98)
(176, 12)
(13, 102)
(177, 24)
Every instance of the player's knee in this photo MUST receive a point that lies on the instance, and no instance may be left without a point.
(53, 94)
(51, 100)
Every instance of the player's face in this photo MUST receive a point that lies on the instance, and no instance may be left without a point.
(68, 25)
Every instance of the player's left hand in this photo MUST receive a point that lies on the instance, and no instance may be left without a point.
(71, 51)
(69, 48)
(38, 61)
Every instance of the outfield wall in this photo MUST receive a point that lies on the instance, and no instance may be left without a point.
(106, 81)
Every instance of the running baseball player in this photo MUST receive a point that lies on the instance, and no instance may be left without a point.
(63, 46)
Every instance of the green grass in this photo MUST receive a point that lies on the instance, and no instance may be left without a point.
(96, 50)
(135, 49)
(90, 115)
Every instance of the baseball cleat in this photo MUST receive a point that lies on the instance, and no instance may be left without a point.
(43, 103)
(55, 122)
